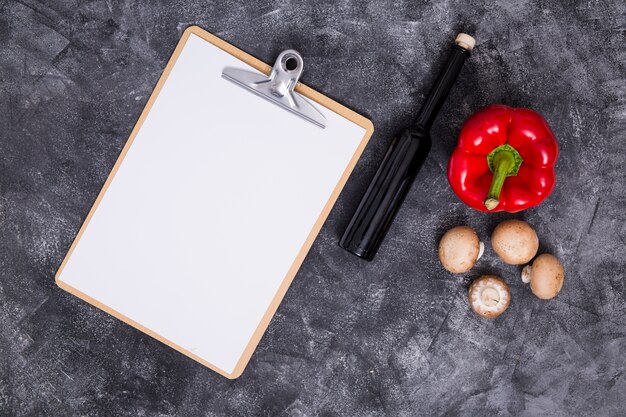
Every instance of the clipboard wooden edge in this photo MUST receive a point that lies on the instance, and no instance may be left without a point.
(284, 286)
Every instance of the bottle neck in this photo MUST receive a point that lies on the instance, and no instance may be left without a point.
(439, 92)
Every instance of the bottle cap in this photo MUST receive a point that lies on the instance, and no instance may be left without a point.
(465, 41)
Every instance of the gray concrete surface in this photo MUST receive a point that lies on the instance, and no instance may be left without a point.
(393, 337)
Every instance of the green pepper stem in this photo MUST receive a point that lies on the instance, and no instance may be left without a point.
(502, 164)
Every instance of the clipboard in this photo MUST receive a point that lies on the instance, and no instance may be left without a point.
(212, 205)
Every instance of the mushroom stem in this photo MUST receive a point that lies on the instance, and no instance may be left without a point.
(481, 250)
(490, 296)
(526, 274)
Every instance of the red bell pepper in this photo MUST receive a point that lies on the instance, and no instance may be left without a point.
(504, 160)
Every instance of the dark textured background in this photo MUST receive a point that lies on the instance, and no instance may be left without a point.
(393, 337)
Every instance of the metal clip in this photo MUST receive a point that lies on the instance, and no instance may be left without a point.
(278, 88)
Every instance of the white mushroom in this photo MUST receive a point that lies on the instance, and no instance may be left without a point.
(546, 276)
(459, 249)
(515, 242)
(489, 296)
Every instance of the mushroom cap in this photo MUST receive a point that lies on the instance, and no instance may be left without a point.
(515, 242)
(459, 249)
(489, 296)
(546, 276)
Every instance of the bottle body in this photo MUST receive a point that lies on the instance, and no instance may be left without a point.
(386, 192)
(396, 173)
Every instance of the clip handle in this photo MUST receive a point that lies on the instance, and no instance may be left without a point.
(286, 72)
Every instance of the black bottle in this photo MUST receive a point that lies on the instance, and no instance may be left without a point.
(402, 161)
